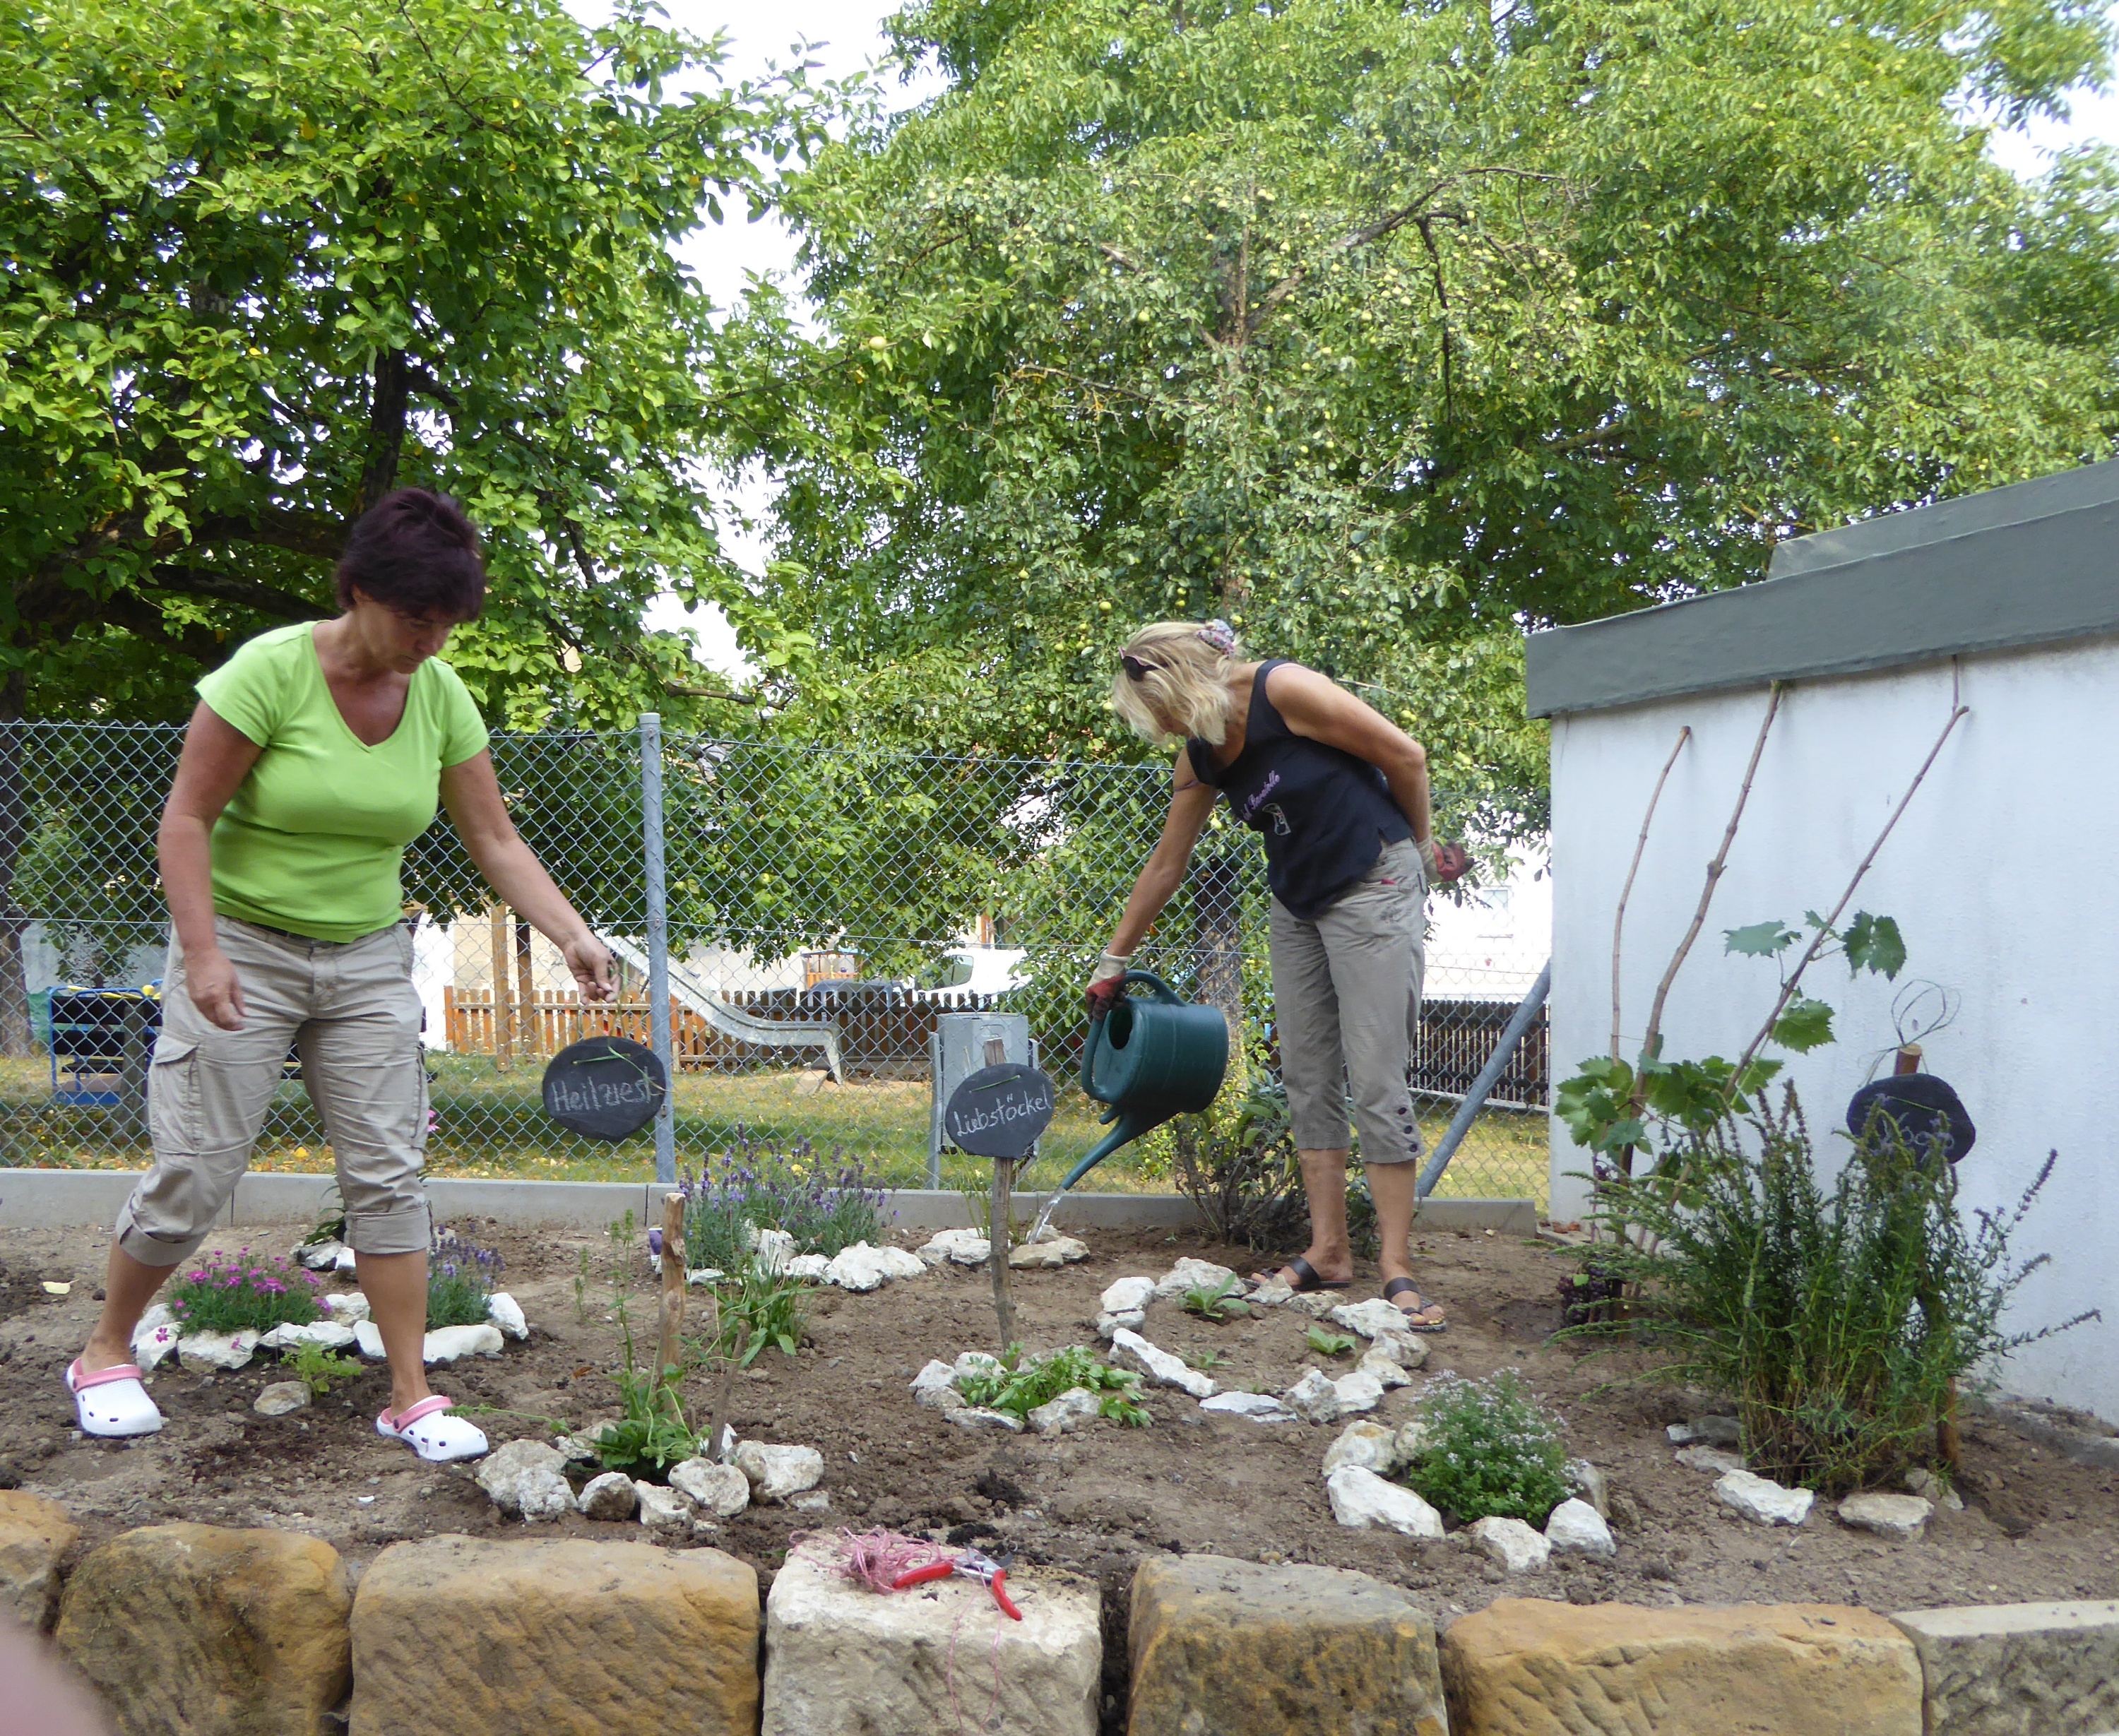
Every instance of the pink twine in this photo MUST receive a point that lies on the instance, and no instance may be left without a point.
(878, 1558)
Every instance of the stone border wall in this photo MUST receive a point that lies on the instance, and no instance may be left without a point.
(224, 1632)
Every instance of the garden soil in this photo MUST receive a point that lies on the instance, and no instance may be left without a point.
(2037, 1526)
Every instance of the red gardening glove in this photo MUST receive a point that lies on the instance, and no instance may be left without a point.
(1452, 861)
(1106, 986)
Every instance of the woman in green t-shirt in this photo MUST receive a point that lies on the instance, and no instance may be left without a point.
(316, 753)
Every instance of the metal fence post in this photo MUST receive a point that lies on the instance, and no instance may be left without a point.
(658, 940)
(1467, 1111)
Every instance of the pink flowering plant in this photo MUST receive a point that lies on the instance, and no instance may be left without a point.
(229, 1292)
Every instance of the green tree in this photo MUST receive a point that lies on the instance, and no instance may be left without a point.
(1386, 331)
(267, 262)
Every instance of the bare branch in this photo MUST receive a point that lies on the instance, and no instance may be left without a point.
(1619, 921)
(221, 587)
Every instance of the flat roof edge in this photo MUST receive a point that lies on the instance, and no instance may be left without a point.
(2016, 586)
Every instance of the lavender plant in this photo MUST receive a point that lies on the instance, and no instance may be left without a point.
(826, 1204)
(230, 1292)
(460, 1276)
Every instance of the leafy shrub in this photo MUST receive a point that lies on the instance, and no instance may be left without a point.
(757, 1309)
(1238, 1167)
(1023, 1384)
(1842, 1319)
(460, 1279)
(227, 1292)
(1490, 1450)
(827, 1204)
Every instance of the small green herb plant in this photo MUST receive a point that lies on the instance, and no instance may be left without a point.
(1021, 1384)
(653, 1433)
(318, 1369)
(460, 1280)
(1219, 1302)
(230, 1292)
(1490, 1450)
(758, 1310)
(1329, 1344)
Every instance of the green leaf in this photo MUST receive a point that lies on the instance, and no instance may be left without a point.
(1804, 1025)
(1329, 1343)
(1874, 943)
(1761, 939)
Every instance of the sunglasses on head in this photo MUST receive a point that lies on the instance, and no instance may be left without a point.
(1134, 666)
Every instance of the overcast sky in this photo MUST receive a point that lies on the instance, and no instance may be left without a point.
(848, 35)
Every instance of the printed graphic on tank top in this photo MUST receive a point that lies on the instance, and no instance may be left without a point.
(1325, 814)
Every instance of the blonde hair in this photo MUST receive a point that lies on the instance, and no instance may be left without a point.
(1184, 678)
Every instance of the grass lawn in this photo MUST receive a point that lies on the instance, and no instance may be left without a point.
(491, 1124)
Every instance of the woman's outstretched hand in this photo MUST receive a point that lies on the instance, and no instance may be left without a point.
(1451, 861)
(590, 960)
(1106, 985)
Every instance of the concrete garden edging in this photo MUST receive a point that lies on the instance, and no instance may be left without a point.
(216, 1632)
(60, 1199)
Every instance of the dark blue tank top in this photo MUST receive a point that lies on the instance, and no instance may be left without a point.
(1325, 815)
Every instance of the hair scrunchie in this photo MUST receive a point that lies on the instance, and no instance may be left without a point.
(1220, 636)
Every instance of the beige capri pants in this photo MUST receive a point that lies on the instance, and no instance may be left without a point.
(350, 1009)
(1346, 995)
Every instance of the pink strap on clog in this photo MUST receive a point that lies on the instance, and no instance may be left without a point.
(81, 1382)
(411, 1413)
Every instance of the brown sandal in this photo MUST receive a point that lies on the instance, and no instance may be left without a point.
(1307, 1277)
(1397, 1287)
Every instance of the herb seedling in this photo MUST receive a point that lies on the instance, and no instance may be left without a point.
(1021, 1387)
(318, 1368)
(1220, 1303)
(1329, 1344)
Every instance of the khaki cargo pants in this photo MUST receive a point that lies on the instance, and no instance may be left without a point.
(352, 1012)
(1346, 997)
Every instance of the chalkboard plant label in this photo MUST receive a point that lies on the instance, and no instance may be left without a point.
(1000, 1112)
(604, 1087)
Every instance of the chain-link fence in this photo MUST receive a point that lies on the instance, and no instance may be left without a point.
(824, 907)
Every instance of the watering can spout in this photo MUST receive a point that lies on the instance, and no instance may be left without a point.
(1148, 1058)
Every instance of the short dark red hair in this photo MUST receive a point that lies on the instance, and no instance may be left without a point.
(414, 552)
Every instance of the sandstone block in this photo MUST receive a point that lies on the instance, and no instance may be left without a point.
(557, 1637)
(1524, 1667)
(35, 1536)
(2019, 1669)
(1226, 1646)
(193, 1630)
(842, 1661)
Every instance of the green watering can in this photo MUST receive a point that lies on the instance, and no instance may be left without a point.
(1149, 1060)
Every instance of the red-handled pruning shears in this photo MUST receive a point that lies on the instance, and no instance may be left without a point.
(970, 1565)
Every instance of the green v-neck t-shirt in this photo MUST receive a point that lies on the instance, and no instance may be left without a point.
(314, 837)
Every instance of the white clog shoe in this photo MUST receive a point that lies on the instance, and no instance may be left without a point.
(434, 1435)
(111, 1403)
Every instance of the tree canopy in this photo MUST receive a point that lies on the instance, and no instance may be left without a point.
(264, 262)
(1385, 330)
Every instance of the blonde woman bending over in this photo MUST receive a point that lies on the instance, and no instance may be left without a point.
(1339, 793)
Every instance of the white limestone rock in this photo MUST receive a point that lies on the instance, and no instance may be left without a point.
(1514, 1544)
(283, 1398)
(810, 1267)
(1369, 1445)
(154, 1338)
(1374, 1318)
(1048, 1254)
(344, 1262)
(1762, 1500)
(1066, 1413)
(1590, 1483)
(202, 1352)
(1272, 1293)
(609, 1496)
(1922, 1481)
(936, 1377)
(1162, 1367)
(960, 1247)
(523, 1478)
(975, 1417)
(1358, 1391)
(320, 1257)
(841, 1661)
(1362, 1501)
(1576, 1528)
(971, 1362)
(350, 1306)
(1126, 1295)
(700, 1275)
(809, 1501)
(722, 1490)
(1315, 1398)
(1711, 1459)
(1411, 1440)
(327, 1334)
(368, 1338)
(451, 1344)
(862, 1268)
(1126, 1320)
(772, 1249)
(506, 1313)
(1191, 1274)
(1260, 1407)
(1408, 1354)
(777, 1472)
(664, 1510)
(1902, 1518)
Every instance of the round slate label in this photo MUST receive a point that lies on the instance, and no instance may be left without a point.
(606, 1087)
(999, 1111)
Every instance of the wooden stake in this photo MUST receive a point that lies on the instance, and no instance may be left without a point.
(670, 1353)
(500, 951)
(998, 1238)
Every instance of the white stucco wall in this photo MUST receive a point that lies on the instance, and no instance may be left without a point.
(2003, 876)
